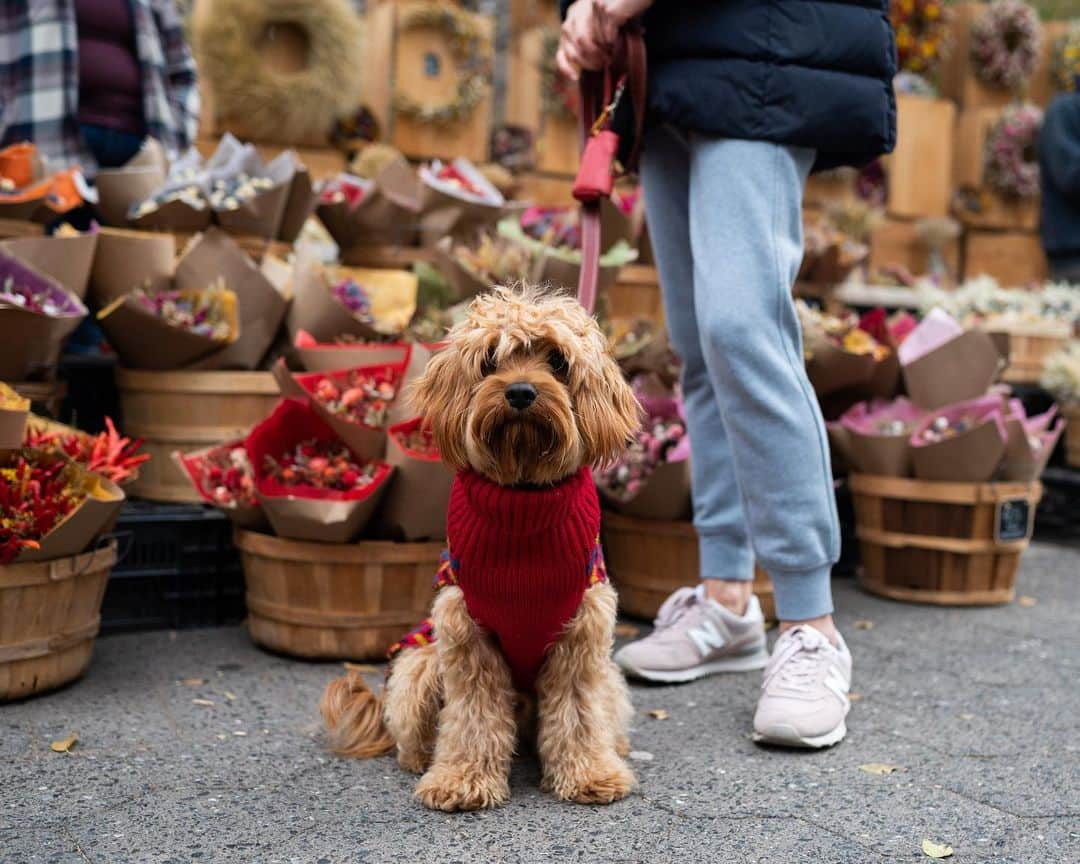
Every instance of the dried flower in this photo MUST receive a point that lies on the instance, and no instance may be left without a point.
(920, 31)
(204, 313)
(417, 439)
(224, 474)
(451, 176)
(1011, 162)
(652, 445)
(1005, 43)
(320, 464)
(494, 260)
(354, 297)
(357, 396)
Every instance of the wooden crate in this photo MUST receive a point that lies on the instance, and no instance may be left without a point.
(526, 14)
(920, 169)
(1041, 89)
(1071, 411)
(635, 294)
(188, 411)
(422, 66)
(896, 243)
(648, 560)
(546, 189)
(335, 600)
(555, 136)
(958, 79)
(50, 612)
(929, 542)
(1013, 258)
(1028, 348)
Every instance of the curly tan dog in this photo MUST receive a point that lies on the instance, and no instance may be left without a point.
(522, 402)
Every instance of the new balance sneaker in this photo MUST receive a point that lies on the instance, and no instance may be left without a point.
(804, 698)
(695, 636)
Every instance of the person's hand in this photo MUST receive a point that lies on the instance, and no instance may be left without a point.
(581, 44)
(612, 14)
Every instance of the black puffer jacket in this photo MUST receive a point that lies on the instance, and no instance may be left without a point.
(813, 73)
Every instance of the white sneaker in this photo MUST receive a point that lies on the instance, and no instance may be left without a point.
(804, 697)
(695, 636)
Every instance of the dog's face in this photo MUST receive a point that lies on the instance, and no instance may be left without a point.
(526, 391)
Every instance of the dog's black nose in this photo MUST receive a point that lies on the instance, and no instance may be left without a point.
(520, 395)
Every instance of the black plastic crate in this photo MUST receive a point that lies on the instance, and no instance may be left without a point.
(1058, 515)
(178, 569)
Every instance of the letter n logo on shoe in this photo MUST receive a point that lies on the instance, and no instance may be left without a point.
(707, 638)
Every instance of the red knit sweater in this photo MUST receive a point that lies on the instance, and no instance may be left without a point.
(522, 559)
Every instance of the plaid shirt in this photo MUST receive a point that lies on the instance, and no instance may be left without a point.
(39, 78)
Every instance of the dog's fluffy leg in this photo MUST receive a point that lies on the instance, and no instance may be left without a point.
(582, 718)
(412, 706)
(354, 719)
(475, 740)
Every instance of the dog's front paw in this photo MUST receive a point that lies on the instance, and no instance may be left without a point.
(462, 788)
(414, 761)
(601, 783)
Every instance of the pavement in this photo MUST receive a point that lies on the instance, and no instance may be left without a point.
(199, 747)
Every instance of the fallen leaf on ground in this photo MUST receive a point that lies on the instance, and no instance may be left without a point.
(64, 745)
(627, 630)
(854, 697)
(206, 703)
(360, 667)
(641, 756)
(1025, 601)
(878, 768)
(193, 682)
(222, 737)
(967, 716)
(864, 624)
(240, 733)
(936, 850)
(230, 695)
(658, 714)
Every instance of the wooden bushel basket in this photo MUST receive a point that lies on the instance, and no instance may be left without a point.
(188, 411)
(335, 601)
(648, 560)
(951, 544)
(50, 612)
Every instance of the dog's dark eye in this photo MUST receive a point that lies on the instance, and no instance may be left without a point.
(558, 363)
(488, 365)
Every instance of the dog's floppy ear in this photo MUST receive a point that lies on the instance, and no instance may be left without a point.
(441, 397)
(608, 412)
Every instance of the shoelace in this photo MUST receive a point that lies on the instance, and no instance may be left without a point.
(677, 605)
(796, 663)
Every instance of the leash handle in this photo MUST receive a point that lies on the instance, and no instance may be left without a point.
(601, 92)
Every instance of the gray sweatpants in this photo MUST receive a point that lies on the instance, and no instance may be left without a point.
(726, 227)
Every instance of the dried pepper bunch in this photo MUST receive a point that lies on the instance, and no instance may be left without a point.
(1011, 160)
(204, 313)
(1005, 43)
(108, 453)
(320, 464)
(358, 396)
(36, 493)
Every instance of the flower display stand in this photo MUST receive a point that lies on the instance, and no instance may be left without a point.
(335, 600)
(50, 612)
(188, 411)
(950, 544)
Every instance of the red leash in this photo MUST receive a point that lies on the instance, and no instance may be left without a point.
(601, 93)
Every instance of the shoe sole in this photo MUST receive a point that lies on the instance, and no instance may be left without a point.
(786, 736)
(739, 663)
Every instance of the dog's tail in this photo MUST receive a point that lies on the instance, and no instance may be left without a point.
(354, 719)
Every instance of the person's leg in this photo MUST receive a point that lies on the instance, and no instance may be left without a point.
(746, 238)
(718, 627)
(726, 559)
